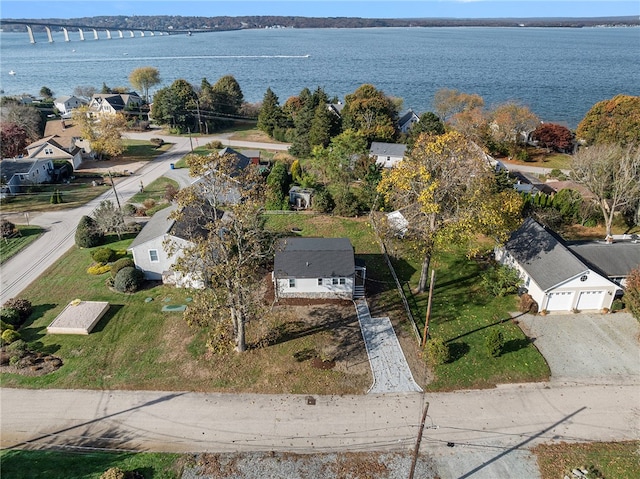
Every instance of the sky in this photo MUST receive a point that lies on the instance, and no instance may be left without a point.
(325, 8)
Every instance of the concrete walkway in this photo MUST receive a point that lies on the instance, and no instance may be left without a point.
(391, 373)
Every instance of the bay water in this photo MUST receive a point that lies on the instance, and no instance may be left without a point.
(559, 73)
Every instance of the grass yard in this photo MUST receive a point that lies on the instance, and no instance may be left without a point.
(38, 197)
(610, 459)
(12, 246)
(541, 158)
(463, 314)
(17, 464)
(142, 150)
(155, 191)
(136, 346)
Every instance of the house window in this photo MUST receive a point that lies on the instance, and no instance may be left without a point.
(334, 281)
(153, 255)
(319, 281)
(48, 151)
(343, 281)
(292, 282)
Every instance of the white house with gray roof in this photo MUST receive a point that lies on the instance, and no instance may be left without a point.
(387, 155)
(317, 268)
(553, 275)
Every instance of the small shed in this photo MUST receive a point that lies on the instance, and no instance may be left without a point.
(300, 197)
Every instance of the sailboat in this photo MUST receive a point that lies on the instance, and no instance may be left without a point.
(12, 72)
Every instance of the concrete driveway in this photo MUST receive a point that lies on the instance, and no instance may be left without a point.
(596, 347)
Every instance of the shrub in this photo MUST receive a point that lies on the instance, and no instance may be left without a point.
(129, 209)
(527, 304)
(17, 348)
(113, 473)
(23, 306)
(133, 227)
(103, 255)
(87, 234)
(9, 336)
(10, 316)
(214, 145)
(98, 269)
(494, 342)
(170, 192)
(632, 292)
(149, 203)
(121, 263)
(7, 228)
(4, 326)
(157, 142)
(438, 351)
(128, 280)
(501, 280)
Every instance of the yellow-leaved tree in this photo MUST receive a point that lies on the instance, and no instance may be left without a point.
(446, 190)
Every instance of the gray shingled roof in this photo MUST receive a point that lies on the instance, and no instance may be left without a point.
(158, 225)
(314, 258)
(387, 149)
(544, 256)
(614, 260)
(10, 167)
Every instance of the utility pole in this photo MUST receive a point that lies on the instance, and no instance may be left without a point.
(416, 450)
(425, 335)
(190, 140)
(113, 185)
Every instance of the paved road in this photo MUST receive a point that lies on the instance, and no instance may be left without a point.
(491, 424)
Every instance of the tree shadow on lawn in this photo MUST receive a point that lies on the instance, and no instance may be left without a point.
(514, 345)
(457, 351)
(28, 331)
(335, 319)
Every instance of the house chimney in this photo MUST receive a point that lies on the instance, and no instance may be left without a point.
(64, 126)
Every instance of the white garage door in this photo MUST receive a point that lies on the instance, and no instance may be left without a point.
(590, 300)
(560, 301)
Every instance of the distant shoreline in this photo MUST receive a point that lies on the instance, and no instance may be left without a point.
(180, 24)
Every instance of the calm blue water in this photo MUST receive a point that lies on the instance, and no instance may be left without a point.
(558, 73)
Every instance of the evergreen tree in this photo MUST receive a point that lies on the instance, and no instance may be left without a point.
(270, 115)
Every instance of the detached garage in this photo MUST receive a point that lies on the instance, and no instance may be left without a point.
(556, 278)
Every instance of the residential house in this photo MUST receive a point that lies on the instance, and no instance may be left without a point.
(321, 268)
(528, 183)
(161, 242)
(336, 108)
(225, 190)
(18, 173)
(556, 278)
(112, 103)
(51, 148)
(300, 197)
(387, 155)
(65, 104)
(68, 135)
(407, 120)
(615, 260)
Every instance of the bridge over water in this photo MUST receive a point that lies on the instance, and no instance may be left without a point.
(109, 32)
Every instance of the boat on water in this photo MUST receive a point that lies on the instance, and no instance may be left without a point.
(12, 72)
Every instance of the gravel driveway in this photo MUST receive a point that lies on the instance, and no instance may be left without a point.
(597, 347)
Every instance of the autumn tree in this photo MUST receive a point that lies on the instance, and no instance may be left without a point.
(612, 174)
(448, 102)
(555, 137)
(13, 140)
(616, 120)
(230, 245)
(104, 133)
(25, 116)
(144, 78)
(632, 292)
(510, 125)
(371, 112)
(445, 188)
(109, 219)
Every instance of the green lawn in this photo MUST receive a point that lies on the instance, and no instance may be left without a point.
(142, 150)
(610, 459)
(17, 464)
(463, 314)
(38, 197)
(12, 246)
(154, 191)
